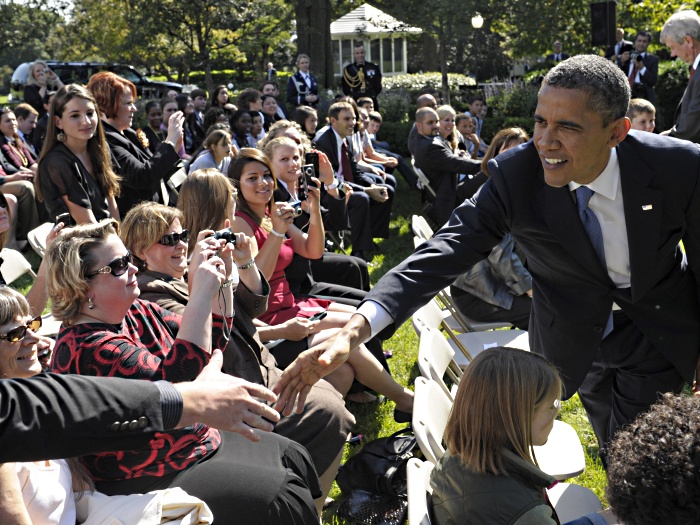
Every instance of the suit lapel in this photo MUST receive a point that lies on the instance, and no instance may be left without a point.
(643, 214)
(560, 213)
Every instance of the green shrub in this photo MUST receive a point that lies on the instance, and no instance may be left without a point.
(396, 134)
(493, 125)
(394, 106)
(673, 79)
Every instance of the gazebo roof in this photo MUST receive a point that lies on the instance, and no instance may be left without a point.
(368, 20)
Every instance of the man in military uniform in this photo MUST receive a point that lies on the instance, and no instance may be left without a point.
(362, 79)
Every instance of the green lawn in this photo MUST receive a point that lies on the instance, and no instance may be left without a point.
(377, 420)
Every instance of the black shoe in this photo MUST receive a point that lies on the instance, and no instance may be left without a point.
(362, 255)
(402, 417)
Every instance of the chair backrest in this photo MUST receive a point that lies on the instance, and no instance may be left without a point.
(37, 238)
(420, 227)
(418, 474)
(429, 314)
(462, 323)
(425, 182)
(14, 265)
(436, 359)
(431, 410)
(473, 343)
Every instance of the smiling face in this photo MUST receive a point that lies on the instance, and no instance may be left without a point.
(311, 123)
(170, 260)
(8, 124)
(19, 359)
(125, 114)
(286, 163)
(447, 124)
(244, 124)
(571, 141)
(543, 420)
(110, 293)
(344, 125)
(78, 120)
(256, 184)
(39, 74)
(155, 117)
(269, 106)
(427, 125)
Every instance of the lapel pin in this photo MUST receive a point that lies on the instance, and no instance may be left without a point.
(647, 207)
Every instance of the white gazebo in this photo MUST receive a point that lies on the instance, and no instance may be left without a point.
(384, 38)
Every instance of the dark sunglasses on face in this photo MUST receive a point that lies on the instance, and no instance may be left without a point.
(17, 334)
(117, 267)
(171, 239)
(3, 201)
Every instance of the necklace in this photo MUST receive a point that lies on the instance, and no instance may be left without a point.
(22, 157)
(160, 134)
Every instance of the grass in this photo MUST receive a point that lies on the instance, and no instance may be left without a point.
(375, 421)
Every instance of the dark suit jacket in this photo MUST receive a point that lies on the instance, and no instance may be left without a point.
(55, 416)
(645, 89)
(140, 171)
(550, 57)
(687, 122)
(297, 90)
(572, 292)
(328, 144)
(610, 51)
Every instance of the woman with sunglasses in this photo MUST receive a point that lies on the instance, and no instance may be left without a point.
(108, 331)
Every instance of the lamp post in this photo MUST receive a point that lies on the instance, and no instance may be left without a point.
(477, 23)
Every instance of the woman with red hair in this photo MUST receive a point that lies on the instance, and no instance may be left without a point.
(143, 174)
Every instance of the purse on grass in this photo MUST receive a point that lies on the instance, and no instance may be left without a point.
(366, 508)
(380, 467)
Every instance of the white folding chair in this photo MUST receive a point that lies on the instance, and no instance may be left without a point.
(420, 227)
(562, 456)
(14, 265)
(436, 359)
(418, 474)
(50, 326)
(37, 238)
(472, 343)
(431, 410)
(462, 323)
(423, 180)
(573, 501)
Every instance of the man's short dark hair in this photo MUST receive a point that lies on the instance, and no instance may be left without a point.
(198, 92)
(474, 98)
(247, 97)
(654, 465)
(268, 82)
(336, 108)
(607, 86)
(645, 34)
(22, 111)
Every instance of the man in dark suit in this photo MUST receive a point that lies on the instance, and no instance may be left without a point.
(441, 165)
(641, 68)
(369, 206)
(558, 55)
(614, 51)
(83, 415)
(362, 78)
(302, 86)
(681, 33)
(615, 306)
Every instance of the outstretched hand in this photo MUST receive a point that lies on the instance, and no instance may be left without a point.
(296, 381)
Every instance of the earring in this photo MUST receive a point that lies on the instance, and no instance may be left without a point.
(91, 305)
(61, 137)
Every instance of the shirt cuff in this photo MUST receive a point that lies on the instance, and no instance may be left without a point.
(170, 404)
(376, 315)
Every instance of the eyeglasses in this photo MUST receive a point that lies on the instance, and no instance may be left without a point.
(3, 201)
(17, 334)
(171, 239)
(117, 267)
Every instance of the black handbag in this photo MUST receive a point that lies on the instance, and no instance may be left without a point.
(366, 508)
(380, 467)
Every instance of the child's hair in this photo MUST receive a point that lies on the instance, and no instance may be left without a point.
(362, 101)
(375, 116)
(462, 117)
(640, 105)
(494, 406)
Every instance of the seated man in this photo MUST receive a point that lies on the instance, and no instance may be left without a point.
(26, 122)
(423, 101)
(369, 207)
(441, 165)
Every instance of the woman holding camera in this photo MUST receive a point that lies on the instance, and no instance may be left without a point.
(38, 80)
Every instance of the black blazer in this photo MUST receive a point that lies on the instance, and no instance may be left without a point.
(140, 171)
(645, 89)
(297, 90)
(54, 416)
(572, 292)
(687, 119)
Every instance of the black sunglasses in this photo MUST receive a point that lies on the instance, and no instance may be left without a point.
(171, 239)
(3, 201)
(117, 267)
(17, 334)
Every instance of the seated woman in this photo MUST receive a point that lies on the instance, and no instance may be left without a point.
(143, 176)
(154, 133)
(277, 238)
(215, 153)
(506, 403)
(307, 118)
(13, 147)
(39, 79)
(18, 187)
(499, 288)
(75, 171)
(269, 111)
(154, 233)
(108, 331)
(53, 481)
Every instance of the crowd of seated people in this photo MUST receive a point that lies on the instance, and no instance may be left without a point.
(151, 298)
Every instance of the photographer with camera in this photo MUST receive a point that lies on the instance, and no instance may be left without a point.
(641, 67)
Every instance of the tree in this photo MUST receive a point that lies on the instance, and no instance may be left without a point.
(314, 19)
